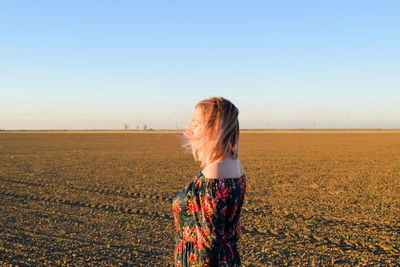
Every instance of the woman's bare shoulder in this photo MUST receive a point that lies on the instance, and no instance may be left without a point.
(224, 169)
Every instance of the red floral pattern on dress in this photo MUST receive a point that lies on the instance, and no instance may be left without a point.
(207, 219)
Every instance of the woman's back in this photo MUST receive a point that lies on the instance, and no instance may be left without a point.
(207, 219)
(228, 167)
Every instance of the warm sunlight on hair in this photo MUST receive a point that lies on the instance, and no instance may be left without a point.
(213, 130)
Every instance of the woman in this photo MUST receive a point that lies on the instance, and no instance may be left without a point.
(207, 211)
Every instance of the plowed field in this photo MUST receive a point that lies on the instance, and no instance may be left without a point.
(104, 198)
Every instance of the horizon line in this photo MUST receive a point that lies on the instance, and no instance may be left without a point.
(155, 130)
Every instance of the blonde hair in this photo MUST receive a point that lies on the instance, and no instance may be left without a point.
(220, 131)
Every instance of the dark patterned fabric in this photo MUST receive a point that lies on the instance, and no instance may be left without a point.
(207, 220)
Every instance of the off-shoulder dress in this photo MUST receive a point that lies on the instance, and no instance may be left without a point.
(207, 220)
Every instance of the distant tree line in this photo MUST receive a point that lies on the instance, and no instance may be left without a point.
(145, 128)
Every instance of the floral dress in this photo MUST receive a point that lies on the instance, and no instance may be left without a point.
(207, 220)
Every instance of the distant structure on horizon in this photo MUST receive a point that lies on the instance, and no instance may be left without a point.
(145, 128)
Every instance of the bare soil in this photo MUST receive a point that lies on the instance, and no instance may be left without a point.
(104, 198)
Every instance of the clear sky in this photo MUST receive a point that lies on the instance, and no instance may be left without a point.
(285, 64)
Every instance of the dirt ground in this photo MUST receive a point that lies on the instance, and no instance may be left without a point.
(105, 198)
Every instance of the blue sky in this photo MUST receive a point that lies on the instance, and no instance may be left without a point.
(285, 64)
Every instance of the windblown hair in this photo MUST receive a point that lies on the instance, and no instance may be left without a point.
(220, 131)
